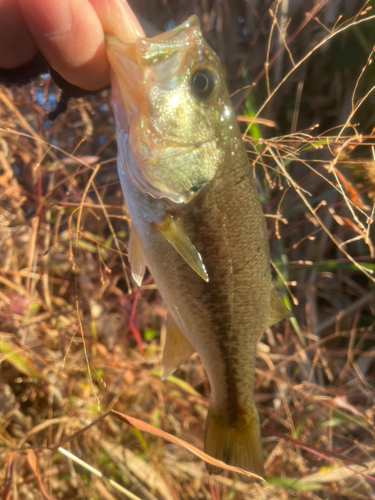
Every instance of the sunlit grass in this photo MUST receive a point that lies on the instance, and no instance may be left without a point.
(79, 338)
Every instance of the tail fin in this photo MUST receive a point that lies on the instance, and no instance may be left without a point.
(235, 443)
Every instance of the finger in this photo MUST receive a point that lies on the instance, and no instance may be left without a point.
(118, 19)
(17, 46)
(70, 35)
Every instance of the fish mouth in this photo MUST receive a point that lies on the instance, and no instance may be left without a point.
(130, 61)
(153, 50)
(165, 45)
(150, 51)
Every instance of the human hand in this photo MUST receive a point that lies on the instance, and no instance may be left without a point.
(69, 33)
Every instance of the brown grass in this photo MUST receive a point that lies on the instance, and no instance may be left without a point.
(78, 338)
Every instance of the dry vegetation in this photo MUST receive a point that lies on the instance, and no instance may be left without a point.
(78, 338)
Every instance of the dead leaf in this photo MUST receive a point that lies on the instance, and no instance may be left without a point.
(14, 355)
(350, 190)
(31, 458)
(90, 160)
(342, 402)
(339, 473)
(143, 426)
(258, 121)
(8, 480)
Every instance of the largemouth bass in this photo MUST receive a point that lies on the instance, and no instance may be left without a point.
(197, 222)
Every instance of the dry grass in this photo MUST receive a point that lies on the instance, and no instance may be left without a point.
(78, 338)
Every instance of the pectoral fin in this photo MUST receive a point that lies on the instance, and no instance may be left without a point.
(135, 256)
(173, 232)
(277, 311)
(177, 350)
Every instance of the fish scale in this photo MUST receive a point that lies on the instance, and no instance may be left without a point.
(208, 251)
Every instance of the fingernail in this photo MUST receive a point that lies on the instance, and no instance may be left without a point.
(49, 17)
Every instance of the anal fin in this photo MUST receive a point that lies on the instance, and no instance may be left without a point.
(135, 256)
(278, 310)
(173, 232)
(177, 350)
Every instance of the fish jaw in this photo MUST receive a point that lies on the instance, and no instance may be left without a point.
(126, 77)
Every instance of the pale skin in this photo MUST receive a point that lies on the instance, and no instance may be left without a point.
(69, 33)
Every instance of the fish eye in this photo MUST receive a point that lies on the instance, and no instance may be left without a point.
(202, 83)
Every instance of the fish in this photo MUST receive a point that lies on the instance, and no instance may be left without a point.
(196, 223)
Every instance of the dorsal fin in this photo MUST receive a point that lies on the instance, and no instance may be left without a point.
(278, 310)
(173, 232)
(177, 350)
(135, 256)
